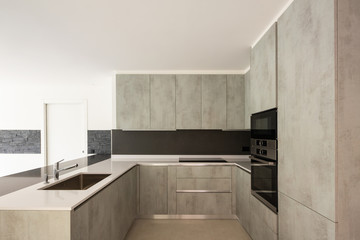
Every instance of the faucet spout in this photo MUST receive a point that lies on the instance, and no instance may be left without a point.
(57, 170)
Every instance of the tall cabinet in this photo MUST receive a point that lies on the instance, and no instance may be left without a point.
(319, 120)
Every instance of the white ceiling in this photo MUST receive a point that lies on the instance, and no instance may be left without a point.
(69, 40)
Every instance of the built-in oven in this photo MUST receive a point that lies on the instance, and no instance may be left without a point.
(264, 185)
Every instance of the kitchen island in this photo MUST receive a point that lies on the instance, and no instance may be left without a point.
(108, 208)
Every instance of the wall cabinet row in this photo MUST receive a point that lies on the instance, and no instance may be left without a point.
(180, 102)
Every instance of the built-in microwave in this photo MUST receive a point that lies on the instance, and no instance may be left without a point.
(264, 185)
(264, 125)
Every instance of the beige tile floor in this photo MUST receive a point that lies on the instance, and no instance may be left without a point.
(144, 229)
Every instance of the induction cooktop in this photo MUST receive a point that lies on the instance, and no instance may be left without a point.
(211, 160)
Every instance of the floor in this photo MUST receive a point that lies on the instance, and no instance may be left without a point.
(186, 230)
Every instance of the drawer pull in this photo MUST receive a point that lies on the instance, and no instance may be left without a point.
(202, 191)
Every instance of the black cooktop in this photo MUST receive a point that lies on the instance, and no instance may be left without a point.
(211, 160)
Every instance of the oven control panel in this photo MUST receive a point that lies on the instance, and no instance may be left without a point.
(264, 148)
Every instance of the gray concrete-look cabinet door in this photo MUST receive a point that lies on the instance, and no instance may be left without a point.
(162, 101)
(247, 100)
(262, 216)
(153, 190)
(110, 213)
(172, 189)
(35, 225)
(215, 184)
(204, 203)
(204, 172)
(263, 73)
(235, 102)
(132, 101)
(307, 106)
(188, 101)
(243, 192)
(214, 101)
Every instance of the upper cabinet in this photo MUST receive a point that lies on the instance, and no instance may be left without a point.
(235, 102)
(169, 102)
(162, 101)
(263, 87)
(188, 101)
(214, 101)
(247, 100)
(132, 101)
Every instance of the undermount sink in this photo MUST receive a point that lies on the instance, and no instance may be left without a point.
(80, 181)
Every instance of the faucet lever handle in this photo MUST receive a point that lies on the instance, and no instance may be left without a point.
(47, 178)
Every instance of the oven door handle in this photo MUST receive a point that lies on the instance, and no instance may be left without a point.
(265, 163)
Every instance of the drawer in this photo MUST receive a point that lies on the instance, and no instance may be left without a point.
(204, 184)
(204, 203)
(204, 172)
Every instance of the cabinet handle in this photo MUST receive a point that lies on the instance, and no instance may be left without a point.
(202, 191)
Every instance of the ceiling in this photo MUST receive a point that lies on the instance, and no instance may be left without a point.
(87, 40)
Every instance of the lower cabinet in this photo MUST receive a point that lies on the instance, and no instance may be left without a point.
(110, 213)
(195, 190)
(262, 216)
(153, 190)
(204, 203)
(204, 190)
(258, 220)
(243, 192)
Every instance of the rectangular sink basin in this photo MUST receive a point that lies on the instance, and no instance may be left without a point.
(81, 181)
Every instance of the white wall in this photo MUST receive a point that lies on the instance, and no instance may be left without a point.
(21, 107)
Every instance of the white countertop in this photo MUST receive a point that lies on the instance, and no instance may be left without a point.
(31, 198)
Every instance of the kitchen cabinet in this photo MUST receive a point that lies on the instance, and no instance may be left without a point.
(132, 101)
(110, 213)
(204, 190)
(188, 101)
(242, 193)
(207, 172)
(214, 101)
(263, 221)
(162, 101)
(203, 203)
(263, 87)
(258, 220)
(153, 190)
(169, 102)
(247, 99)
(235, 102)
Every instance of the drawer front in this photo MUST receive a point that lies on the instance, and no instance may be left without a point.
(204, 203)
(204, 172)
(204, 184)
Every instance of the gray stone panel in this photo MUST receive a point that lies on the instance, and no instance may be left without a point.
(99, 141)
(20, 141)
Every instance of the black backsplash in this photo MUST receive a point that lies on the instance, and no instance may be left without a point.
(181, 142)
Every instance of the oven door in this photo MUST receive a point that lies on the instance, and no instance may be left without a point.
(264, 182)
(264, 125)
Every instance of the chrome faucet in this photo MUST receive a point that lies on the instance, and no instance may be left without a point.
(57, 170)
